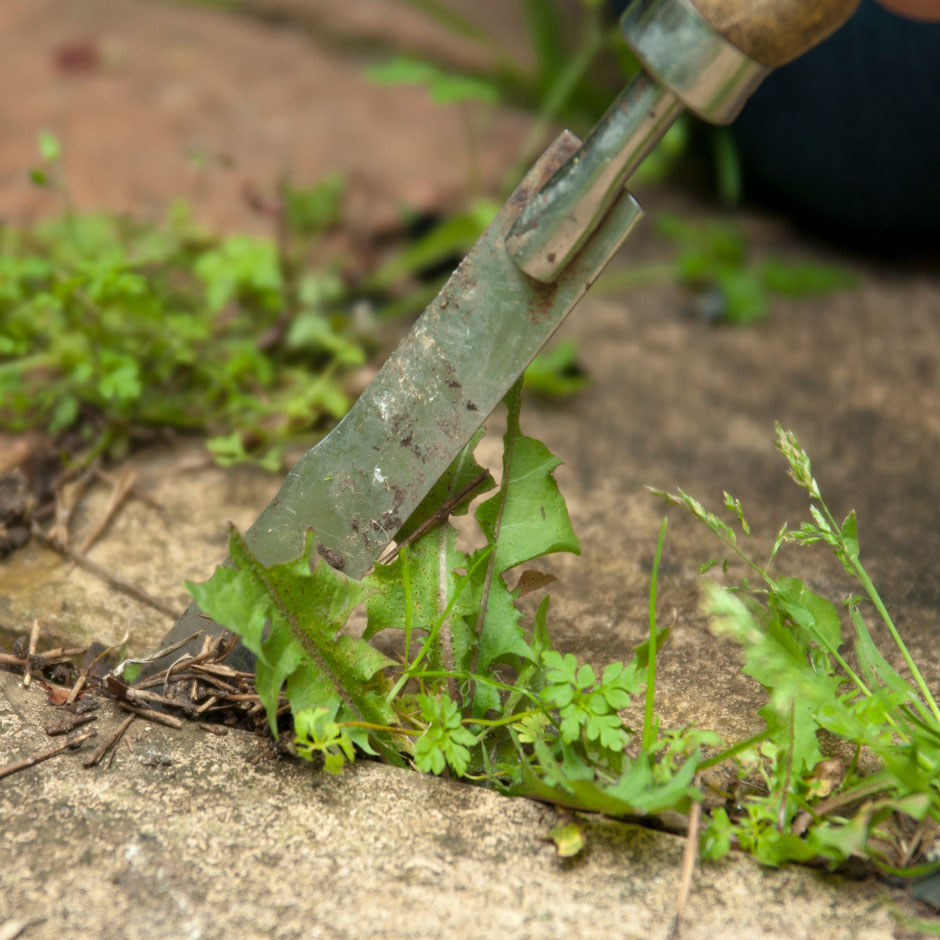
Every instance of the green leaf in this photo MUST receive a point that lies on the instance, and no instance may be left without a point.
(568, 838)
(546, 37)
(716, 839)
(419, 602)
(445, 742)
(619, 682)
(556, 372)
(501, 639)
(290, 615)
(529, 512)
(312, 331)
(444, 87)
(49, 147)
(121, 381)
(775, 657)
(875, 669)
(745, 301)
(805, 279)
(817, 616)
(316, 732)
(635, 791)
(849, 533)
(453, 237)
(313, 209)
(241, 266)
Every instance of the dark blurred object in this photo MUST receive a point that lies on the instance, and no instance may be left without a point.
(846, 139)
(14, 511)
(80, 55)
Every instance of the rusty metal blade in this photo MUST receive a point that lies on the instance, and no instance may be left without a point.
(358, 486)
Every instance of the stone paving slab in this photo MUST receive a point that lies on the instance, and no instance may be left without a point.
(185, 837)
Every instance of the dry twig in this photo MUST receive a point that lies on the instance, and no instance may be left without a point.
(68, 492)
(213, 729)
(120, 489)
(66, 745)
(152, 715)
(68, 725)
(107, 745)
(689, 857)
(134, 492)
(31, 652)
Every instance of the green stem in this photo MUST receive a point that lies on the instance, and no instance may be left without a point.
(411, 672)
(404, 554)
(558, 94)
(648, 732)
(875, 597)
(501, 722)
(613, 282)
(371, 726)
(729, 752)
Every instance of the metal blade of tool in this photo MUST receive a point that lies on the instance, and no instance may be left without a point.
(359, 485)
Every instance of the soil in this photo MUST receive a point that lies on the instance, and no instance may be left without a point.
(183, 836)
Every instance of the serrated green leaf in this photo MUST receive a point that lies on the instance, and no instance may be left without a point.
(529, 512)
(502, 638)
(874, 667)
(534, 519)
(635, 792)
(302, 608)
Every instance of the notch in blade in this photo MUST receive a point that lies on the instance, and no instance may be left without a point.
(357, 487)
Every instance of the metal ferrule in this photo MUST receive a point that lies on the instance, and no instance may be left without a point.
(688, 64)
(680, 49)
(557, 221)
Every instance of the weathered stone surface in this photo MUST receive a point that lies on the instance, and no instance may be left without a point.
(185, 837)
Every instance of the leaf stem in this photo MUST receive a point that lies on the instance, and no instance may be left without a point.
(729, 752)
(411, 672)
(648, 727)
(371, 726)
(875, 597)
(513, 406)
(406, 588)
(507, 720)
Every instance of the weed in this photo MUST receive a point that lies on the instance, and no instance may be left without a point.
(475, 692)
(713, 262)
(792, 639)
(111, 329)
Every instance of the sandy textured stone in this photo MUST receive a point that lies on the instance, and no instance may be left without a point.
(184, 837)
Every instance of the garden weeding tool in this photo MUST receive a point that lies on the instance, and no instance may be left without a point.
(544, 249)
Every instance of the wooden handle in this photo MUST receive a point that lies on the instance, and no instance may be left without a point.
(775, 31)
